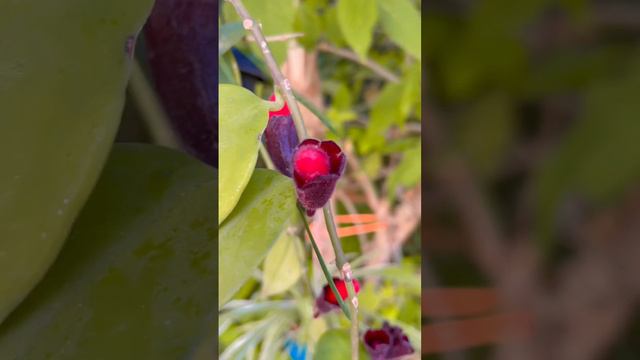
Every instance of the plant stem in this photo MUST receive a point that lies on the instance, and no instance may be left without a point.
(265, 157)
(283, 84)
(309, 105)
(323, 265)
(345, 267)
(153, 115)
(369, 64)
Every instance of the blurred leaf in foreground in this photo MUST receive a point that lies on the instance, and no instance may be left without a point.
(135, 279)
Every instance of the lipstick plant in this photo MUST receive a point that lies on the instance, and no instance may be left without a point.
(294, 283)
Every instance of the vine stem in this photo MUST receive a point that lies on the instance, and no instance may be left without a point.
(347, 275)
(283, 84)
(285, 88)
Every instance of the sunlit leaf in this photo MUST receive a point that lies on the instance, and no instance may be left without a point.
(136, 278)
(282, 266)
(267, 206)
(336, 345)
(243, 117)
(385, 112)
(401, 21)
(357, 19)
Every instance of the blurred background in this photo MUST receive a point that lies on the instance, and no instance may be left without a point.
(531, 216)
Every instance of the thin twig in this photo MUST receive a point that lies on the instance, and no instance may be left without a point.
(309, 105)
(283, 84)
(266, 158)
(278, 38)
(153, 115)
(345, 267)
(323, 265)
(369, 64)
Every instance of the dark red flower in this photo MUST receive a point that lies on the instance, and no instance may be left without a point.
(386, 343)
(280, 139)
(317, 166)
(327, 300)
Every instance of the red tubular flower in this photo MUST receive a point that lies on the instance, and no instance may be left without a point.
(387, 343)
(280, 139)
(317, 166)
(327, 300)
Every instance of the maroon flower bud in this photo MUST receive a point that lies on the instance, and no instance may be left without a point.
(327, 300)
(390, 342)
(280, 139)
(317, 166)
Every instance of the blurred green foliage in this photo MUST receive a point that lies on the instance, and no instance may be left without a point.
(540, 99)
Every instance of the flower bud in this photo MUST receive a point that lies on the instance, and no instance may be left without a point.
(327, 300)
(317, 166)
(280, 139)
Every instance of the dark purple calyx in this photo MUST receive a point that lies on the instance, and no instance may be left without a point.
(280, 139)
(387, 343)
(181, 37)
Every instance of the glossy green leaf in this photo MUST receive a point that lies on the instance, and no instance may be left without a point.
(401, 21)
(243, 117)
(63, 72)
(136, 278)
(267, 206)
(230, 34)
(357, 19)
(282, 266)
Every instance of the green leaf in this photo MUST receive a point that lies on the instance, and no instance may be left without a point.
(308, 22)
(230, 34)
(407, 173)
(134, 280)
(282, 267)
(331, 26)
(276, 17)
(401, 21)
(336, 345)
(63, 74)
(243, 117)
(267, 206)
(357, 19)
(384, 113)
(225, 70)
